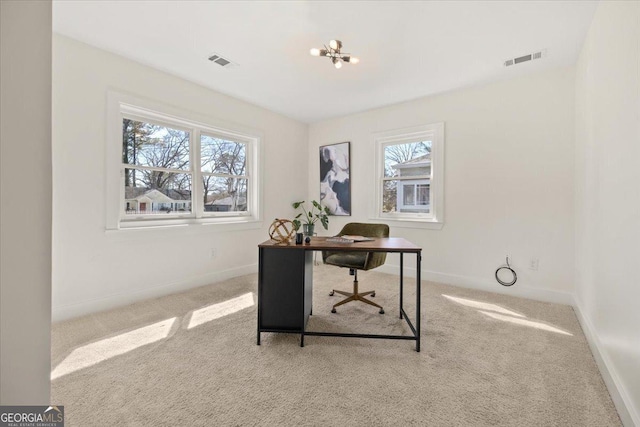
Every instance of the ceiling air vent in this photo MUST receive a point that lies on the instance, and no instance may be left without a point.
(221, 61)
(525, 58)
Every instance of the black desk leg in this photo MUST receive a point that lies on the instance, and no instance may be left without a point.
(303, 320)
(259, 292)
(401, 281)
(418, 286)
(304, 325)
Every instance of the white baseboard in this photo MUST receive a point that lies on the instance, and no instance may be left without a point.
(628, 412)
(517, 290)
(119, 299)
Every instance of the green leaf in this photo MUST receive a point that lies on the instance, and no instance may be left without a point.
(325, 222)
(296, 205)
(316, 204)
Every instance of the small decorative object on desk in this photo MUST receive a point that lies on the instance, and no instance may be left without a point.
(281, 230)
(310, 217)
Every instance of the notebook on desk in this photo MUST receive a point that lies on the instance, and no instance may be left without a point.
(353, 238)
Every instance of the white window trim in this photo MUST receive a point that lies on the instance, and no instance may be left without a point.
(120, 105)
(433, 132)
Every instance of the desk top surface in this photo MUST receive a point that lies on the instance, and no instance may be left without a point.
(385, 244)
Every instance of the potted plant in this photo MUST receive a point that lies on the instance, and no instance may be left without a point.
(310, 217)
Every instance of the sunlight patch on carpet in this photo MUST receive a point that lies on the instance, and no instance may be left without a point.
(482, 305)
(99, 351)
(525, 322)
(493, 310)
(216, 311)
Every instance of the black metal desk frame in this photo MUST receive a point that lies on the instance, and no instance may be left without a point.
(344, 247)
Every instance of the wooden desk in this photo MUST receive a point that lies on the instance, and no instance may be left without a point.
(285, 284)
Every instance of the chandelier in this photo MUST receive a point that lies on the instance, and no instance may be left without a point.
(333, 52)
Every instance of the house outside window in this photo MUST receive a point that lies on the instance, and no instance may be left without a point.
(409, 169)
(176, 171)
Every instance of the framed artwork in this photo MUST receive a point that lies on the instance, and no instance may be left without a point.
(335, 183)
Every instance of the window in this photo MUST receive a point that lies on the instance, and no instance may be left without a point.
(409, 169)
(409, 194)
(175, 171)
(415, 196)
(157, 173)
(423, 192)
(224, 177)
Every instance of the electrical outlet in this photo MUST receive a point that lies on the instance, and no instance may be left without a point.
(534, 263)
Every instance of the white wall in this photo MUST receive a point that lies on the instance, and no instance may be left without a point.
(508, 181)
(608, 198)
(95, 270)
(25, 203)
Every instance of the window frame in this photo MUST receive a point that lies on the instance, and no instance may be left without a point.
(122, 106)
(125, 112)
(247, 141)
(431, 132)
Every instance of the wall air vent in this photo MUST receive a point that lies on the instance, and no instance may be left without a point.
(525, 58)
(221, 61)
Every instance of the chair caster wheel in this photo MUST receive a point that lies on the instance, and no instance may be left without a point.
(381, 311)
(373, 295)
(333, 310)
(331, 293)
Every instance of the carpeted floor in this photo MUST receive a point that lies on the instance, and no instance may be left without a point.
(191, 359)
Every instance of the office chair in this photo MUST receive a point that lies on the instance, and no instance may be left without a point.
(355, 261)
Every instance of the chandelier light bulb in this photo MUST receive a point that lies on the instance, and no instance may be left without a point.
(338, 63)
(315, 52)
(333, 44)
(354, 60)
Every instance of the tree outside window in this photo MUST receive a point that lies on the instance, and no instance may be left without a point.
(224, 177)
(157, 178)
(159, 171)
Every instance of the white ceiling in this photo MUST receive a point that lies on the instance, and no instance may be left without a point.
(407, 49)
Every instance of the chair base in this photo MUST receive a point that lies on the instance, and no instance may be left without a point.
(355, 296)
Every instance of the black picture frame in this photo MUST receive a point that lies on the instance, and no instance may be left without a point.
(335, 178)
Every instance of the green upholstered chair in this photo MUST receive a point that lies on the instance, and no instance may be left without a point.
(355, 261)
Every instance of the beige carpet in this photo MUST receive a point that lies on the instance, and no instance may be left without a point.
(191, 359)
